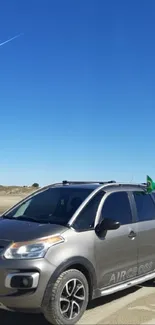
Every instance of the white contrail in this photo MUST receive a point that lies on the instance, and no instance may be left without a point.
(10, 39)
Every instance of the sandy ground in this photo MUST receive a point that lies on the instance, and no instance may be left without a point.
(7, 201)
(134, 306)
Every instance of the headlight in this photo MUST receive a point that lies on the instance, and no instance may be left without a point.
(32, 249)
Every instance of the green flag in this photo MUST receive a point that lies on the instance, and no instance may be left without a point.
(150, 185)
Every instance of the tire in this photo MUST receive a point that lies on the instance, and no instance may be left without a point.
(69, 311)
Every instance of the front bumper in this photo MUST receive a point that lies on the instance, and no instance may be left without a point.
(27, 299)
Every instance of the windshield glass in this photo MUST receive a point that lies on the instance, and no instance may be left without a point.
(54, 205)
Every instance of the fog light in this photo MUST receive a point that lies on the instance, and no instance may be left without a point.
(26, 282)
(22, 280)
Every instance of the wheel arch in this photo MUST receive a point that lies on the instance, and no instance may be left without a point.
(79, 263)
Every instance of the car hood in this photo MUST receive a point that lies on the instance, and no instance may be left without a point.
(16, 230)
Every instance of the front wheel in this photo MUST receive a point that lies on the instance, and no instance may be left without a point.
(68, 298)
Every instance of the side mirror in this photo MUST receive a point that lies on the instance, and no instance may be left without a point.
(107, 224)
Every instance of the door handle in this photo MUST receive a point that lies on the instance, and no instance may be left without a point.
(132, 234)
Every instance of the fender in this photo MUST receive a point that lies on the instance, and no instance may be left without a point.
(66, 264)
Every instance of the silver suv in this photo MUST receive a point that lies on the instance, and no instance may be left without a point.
(72, 242)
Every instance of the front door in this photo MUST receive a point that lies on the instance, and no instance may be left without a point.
(116, 253)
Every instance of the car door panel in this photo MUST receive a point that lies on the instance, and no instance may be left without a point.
(145, 215)
(146, 244)
(116, 257)
(116, 253)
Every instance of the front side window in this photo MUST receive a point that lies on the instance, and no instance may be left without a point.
(145, 206)
(53, 205)
(117, 207)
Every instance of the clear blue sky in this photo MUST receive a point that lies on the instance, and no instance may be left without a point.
(77, 90)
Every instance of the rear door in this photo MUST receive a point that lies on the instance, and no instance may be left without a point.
(145, 215)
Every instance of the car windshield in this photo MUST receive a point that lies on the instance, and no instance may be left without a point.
(53, 205)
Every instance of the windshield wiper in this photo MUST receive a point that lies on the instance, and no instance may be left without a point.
(25, 218)
(33, 219)
(7, 217)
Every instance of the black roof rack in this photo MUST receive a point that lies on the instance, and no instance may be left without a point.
(86, 182)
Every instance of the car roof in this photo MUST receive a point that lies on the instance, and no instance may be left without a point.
(106, 186)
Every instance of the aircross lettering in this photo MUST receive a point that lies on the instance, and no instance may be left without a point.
(124, 275)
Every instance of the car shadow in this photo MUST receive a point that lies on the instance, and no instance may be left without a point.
(11, 318)
(150, 283)
(106, 299)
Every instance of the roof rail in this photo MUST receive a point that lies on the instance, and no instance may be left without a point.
(86, 182)
(131, 184)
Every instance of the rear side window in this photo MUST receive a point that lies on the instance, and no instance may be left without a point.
(145, 206)
(86, 218)
(117, 207)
